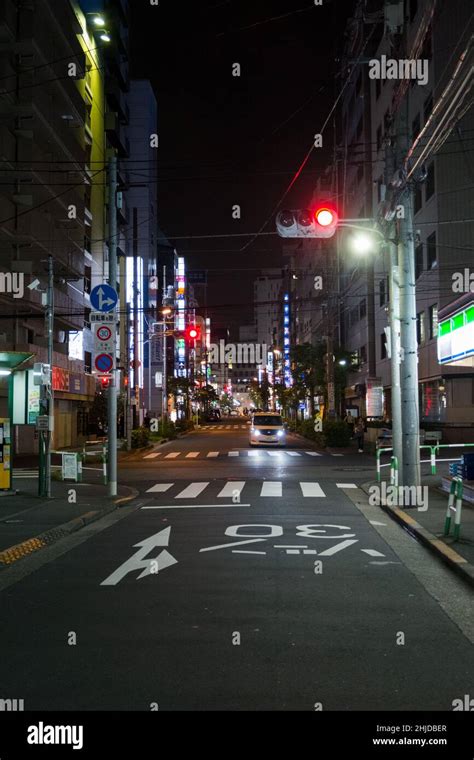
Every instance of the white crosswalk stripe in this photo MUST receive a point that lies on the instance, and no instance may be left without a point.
(212, 454)
(160, 488)
(153, 455)
(346, 485)
(231, 488)
(173, 455)
(192, 491)
(250, 452)
(313, 453)
(233, 453)
(271, 488)
(293, 453)
(253, 453)
(312, 489)
(192, 455)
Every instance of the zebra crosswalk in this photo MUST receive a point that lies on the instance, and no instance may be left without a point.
(247, 453)
(223, 427)
(233, 489)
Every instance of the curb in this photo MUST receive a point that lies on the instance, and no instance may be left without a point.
(445, 553)
(30, 545)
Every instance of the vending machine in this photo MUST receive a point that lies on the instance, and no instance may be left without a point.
(5, 454)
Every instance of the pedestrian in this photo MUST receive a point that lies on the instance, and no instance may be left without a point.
(350, 422)
(359, 431)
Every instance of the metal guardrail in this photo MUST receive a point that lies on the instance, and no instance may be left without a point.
(433, 448)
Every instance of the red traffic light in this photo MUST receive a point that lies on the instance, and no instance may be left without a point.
(325, 220)
(193, 333)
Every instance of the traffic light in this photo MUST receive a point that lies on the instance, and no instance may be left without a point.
(193, 333)
(320, 221)
(105, 381)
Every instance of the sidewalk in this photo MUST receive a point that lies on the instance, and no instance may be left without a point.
(28, 522)
(427, 525)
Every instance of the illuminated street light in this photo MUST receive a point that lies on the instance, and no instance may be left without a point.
(362, 243)
(98, 21)
(105, 37)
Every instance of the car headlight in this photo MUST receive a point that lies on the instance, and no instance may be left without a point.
(255, 432)
(280, 433)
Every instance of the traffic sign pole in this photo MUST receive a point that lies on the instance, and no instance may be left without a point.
(112, 397)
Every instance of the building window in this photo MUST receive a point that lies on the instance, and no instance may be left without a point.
(382, 291)
(420, 327)
(430, 181)
(363, 354)
(417, 199)
(383, 346)
(363, 308)
(433, 312)
(431, 251)
(354, 315)
(87, 279)
(87, 318)
(87, 361)
(418, 260)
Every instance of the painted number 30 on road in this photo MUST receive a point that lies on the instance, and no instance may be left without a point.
(318, 530)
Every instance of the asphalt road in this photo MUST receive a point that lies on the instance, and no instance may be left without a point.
(237, 581)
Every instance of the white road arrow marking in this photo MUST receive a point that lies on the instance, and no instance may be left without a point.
(138, 562)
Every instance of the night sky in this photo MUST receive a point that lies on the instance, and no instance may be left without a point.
(228, 140)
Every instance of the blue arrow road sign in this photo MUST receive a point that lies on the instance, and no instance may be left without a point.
(104, 363)
(103, 298)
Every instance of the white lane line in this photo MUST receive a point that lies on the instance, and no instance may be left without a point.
(212, 454)
(293, 454)
(243, 551)
(374, 522)
(173, 455)
(292, 551)
(313, 453)
(288, 546)
(230, 488)
(373, 553)
(338, 548)
(191, 491)
(195, 506)
(159, 488)
(346, 485)
(233, 454)
(153, 456)
(309, 551)
(192, 455)
(271, 488)
(337, 455)
(312, 489)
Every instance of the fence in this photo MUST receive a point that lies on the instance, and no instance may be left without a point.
(433, 448)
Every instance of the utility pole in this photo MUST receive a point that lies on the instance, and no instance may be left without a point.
(408, 334)
(48, 435)
(394, 316)
(112, 396)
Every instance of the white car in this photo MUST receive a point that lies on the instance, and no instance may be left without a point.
(267, 428)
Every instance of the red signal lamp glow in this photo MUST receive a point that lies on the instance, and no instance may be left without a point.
(325, 220)
(193, 333)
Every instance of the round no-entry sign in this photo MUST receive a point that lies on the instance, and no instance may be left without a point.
(104, 363)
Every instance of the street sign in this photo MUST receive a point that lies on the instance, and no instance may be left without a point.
(103, 297)
(104, 363)
(42, 422)
(104, 338)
